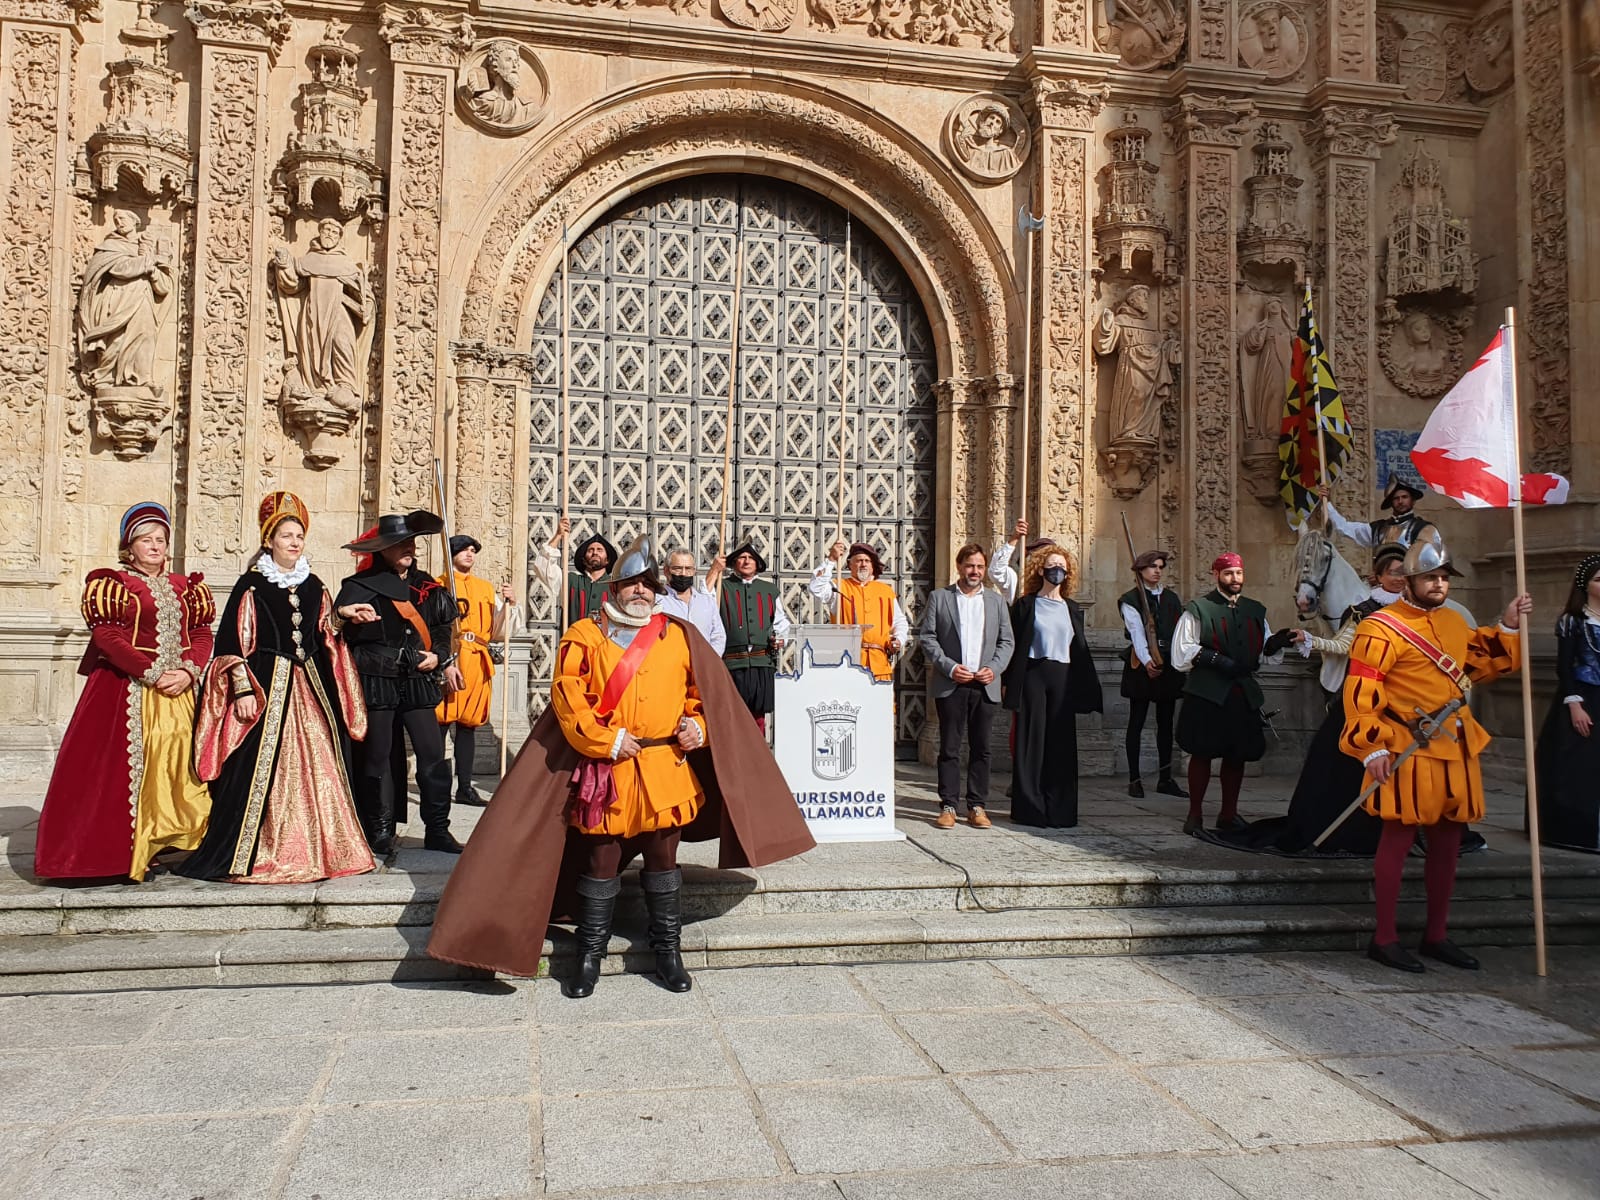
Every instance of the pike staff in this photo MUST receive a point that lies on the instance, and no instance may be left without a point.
(733, 385)
(844, 374)
(1030, 225)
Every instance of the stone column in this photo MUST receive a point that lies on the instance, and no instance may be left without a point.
(1207, 135)
(35, 280)
(1213, 27)
(1350, 40)
(999, 473)
(1346, 142)
(425, 55)
(238, 45)
(1060, 439)
(957, 430)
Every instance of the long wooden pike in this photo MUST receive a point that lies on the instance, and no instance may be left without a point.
(733, 385)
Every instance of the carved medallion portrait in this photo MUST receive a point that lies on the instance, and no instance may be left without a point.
(769, 16)
(1489, 54)
(503, 87)
(987, 137)
(1421, 351)
(1144, 34)
(1273, 38)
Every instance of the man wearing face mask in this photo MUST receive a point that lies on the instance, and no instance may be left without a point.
(690, 600)
(1220, 643)
(861, 598)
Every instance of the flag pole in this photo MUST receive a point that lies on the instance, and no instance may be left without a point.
(1030, 226)
(1316, 393)
(1523, 638)
(844, 375)
(566, 448)
(733, 386)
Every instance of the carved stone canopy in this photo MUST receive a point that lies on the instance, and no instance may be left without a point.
(136, 150)
(1430, 248)
(1131, 234)
(328, 155)
(1273, 237)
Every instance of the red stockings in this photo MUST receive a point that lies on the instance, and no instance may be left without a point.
(1439, 876)
(1200, 780)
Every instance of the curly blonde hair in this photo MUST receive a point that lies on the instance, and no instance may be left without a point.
(1033, 570)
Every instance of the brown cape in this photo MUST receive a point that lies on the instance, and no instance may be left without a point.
(499, 898)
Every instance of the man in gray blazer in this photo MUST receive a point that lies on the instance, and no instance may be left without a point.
(966, 638)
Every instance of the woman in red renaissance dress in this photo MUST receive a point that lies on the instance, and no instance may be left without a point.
(124, 788)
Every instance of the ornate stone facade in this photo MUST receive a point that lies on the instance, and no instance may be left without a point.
(237, 226)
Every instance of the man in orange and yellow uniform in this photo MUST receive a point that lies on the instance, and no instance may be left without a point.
(626, 699)
(861, 598)
(484, 618)
(1418, 654)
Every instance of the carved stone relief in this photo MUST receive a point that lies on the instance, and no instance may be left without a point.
(422, 37)
(1273, 236)
(1426, 54)
(326, 309)
(1273, 38)
(1129, 334)
(124, 304)
(329, 153)
(1490, 56)
(1421, 347)
(1131, 234)
(1430, 248)
(987, 137)
(503, 88)
(1211, 43)
(1545, 327)
(136, 147)
(1266, 352)
(264, 24)
(769, 16)
(1588, 38)
(1144, 34)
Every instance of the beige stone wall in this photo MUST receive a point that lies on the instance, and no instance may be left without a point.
(1215, 154)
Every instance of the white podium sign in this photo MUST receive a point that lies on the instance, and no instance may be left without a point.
(833, 737)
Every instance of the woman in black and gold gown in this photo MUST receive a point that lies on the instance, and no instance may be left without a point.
(281, 703)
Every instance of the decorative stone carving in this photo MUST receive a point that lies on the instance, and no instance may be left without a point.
(1352, 131)
(1273, 236)
(503, 88)
(985, 23)
(769, 16)
(1545, 332)
(1421, 349)
(1144, 34)
(1588, 39)
(125, 302)
(1130, 231)
(137, 144)
(1430, 248)
(329, 152)
(1273, 38)
(1211, 42)
(1422, 68)
(1266, 351)
(424, 38)
(327, 312)
(260, 24)
(1142, 383)
(1490, 56)
(1068, 102)
(987, 137)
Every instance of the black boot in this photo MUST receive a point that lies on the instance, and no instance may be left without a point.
(377, 822)
(433, 792)
(662, 894)
(1136, 788)
(597, 902)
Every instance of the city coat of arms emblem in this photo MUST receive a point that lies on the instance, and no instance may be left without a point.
(833, 738)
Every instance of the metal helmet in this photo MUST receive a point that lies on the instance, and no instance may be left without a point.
(637, 561)
(1427, 553)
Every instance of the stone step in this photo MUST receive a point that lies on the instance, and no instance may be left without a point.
(399, 899)
(122, 960)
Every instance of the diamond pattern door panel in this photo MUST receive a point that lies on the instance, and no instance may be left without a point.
(652, 318)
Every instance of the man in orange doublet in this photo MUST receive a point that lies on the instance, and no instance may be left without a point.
(1418, 654)
(861, 598)
(626, 699)
(485, 614)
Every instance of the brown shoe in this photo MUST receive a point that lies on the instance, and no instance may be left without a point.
(947, 818)
(978, 819)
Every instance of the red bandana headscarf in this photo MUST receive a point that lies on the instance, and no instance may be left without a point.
(1224, 561)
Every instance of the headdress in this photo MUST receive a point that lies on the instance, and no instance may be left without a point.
(638, 561)
(460, 541)
(863, 548)
(1427, 553)
(582, 549)
(1150, 558)
(394, 528)
(748, 547)
(1398, 485)
(140, 514)
(1226, 560)
(1386, 552)
(1038, 543)
(278, 507)
(1586, 570)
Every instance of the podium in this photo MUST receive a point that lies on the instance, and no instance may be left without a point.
(833, 737)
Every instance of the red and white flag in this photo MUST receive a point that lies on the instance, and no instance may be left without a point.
(1467, 450)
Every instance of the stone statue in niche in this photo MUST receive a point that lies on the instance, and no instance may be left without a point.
(1144, 33)
(327, 309)
(1267, 348)
(988, 137)
(503, 87)
(1141, 383)
(125, 301)
(1273, 39)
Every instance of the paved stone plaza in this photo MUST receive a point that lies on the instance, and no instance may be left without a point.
(1196, 1077)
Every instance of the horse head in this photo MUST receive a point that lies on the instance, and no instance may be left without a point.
(1313, 562)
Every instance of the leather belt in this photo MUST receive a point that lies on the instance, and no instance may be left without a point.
(746, 653)
(646, 743)
(467, 636)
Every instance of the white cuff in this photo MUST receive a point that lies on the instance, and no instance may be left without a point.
(700, 735)
(1376, 754)
(1572, 699)
(616, 743)
(1304, 647)
(1504, 628)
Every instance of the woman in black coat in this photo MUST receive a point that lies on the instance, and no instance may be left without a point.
(1050, 681)
(1568, 761)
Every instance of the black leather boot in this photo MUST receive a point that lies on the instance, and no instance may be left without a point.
(377, 822)
(663, 891)
(433, 792)
(597, 902)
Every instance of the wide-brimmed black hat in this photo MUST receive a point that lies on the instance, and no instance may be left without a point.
(1150, 558)
(582, 549)
(748, 548)
(460, 541)
(1397, 486)
(394, 528)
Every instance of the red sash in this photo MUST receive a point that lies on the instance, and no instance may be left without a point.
(1453, 671)
(616, 687)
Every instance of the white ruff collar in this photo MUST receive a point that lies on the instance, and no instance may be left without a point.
(294, 577)
(627, 620)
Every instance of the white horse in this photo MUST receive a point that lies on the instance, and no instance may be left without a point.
(1325, 583)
